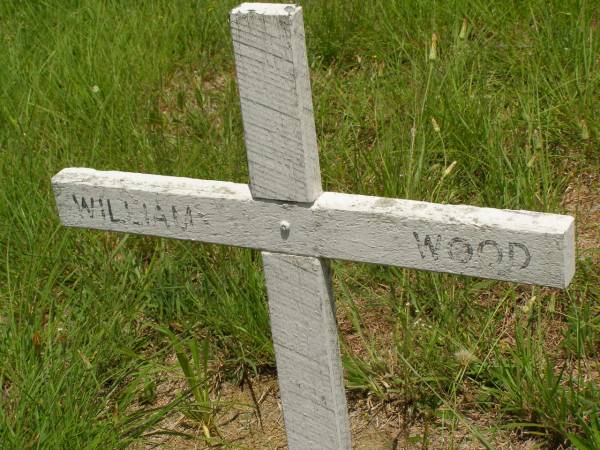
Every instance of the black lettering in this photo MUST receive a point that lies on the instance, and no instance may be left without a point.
(187, 219)
(489, 243)
(427, 243)
(160, 217)
(110, 213)
(101, 208)
(462, 254)
(135, 222)
(146, 214)
(511, 253)
(84, 206)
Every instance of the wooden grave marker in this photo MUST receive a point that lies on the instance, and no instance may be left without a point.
(285, 214)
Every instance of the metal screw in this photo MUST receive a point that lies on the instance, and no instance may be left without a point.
(284, 226)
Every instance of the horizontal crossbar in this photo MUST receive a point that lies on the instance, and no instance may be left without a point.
(519, 246)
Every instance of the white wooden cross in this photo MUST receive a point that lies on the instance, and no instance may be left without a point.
(298, 227)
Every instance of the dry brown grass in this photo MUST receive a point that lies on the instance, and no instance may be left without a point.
(375, 425)
(582, 199)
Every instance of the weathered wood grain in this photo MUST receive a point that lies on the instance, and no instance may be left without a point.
(521, 246)
(285, 211)
(276, 102)
(283, 162)
(309, 368)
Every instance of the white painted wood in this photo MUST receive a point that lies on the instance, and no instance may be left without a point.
(305, 338)
(276, 102)
(283, 162)
(521, 246)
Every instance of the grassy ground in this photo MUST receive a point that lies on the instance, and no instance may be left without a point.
(92, 323)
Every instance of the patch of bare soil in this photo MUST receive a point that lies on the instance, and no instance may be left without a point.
(582, 199)
(375, 426)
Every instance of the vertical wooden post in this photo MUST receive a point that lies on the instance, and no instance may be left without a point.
(274, 86)
(305, 337)
(279, 130)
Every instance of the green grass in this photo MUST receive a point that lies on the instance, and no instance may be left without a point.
(149, 87)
